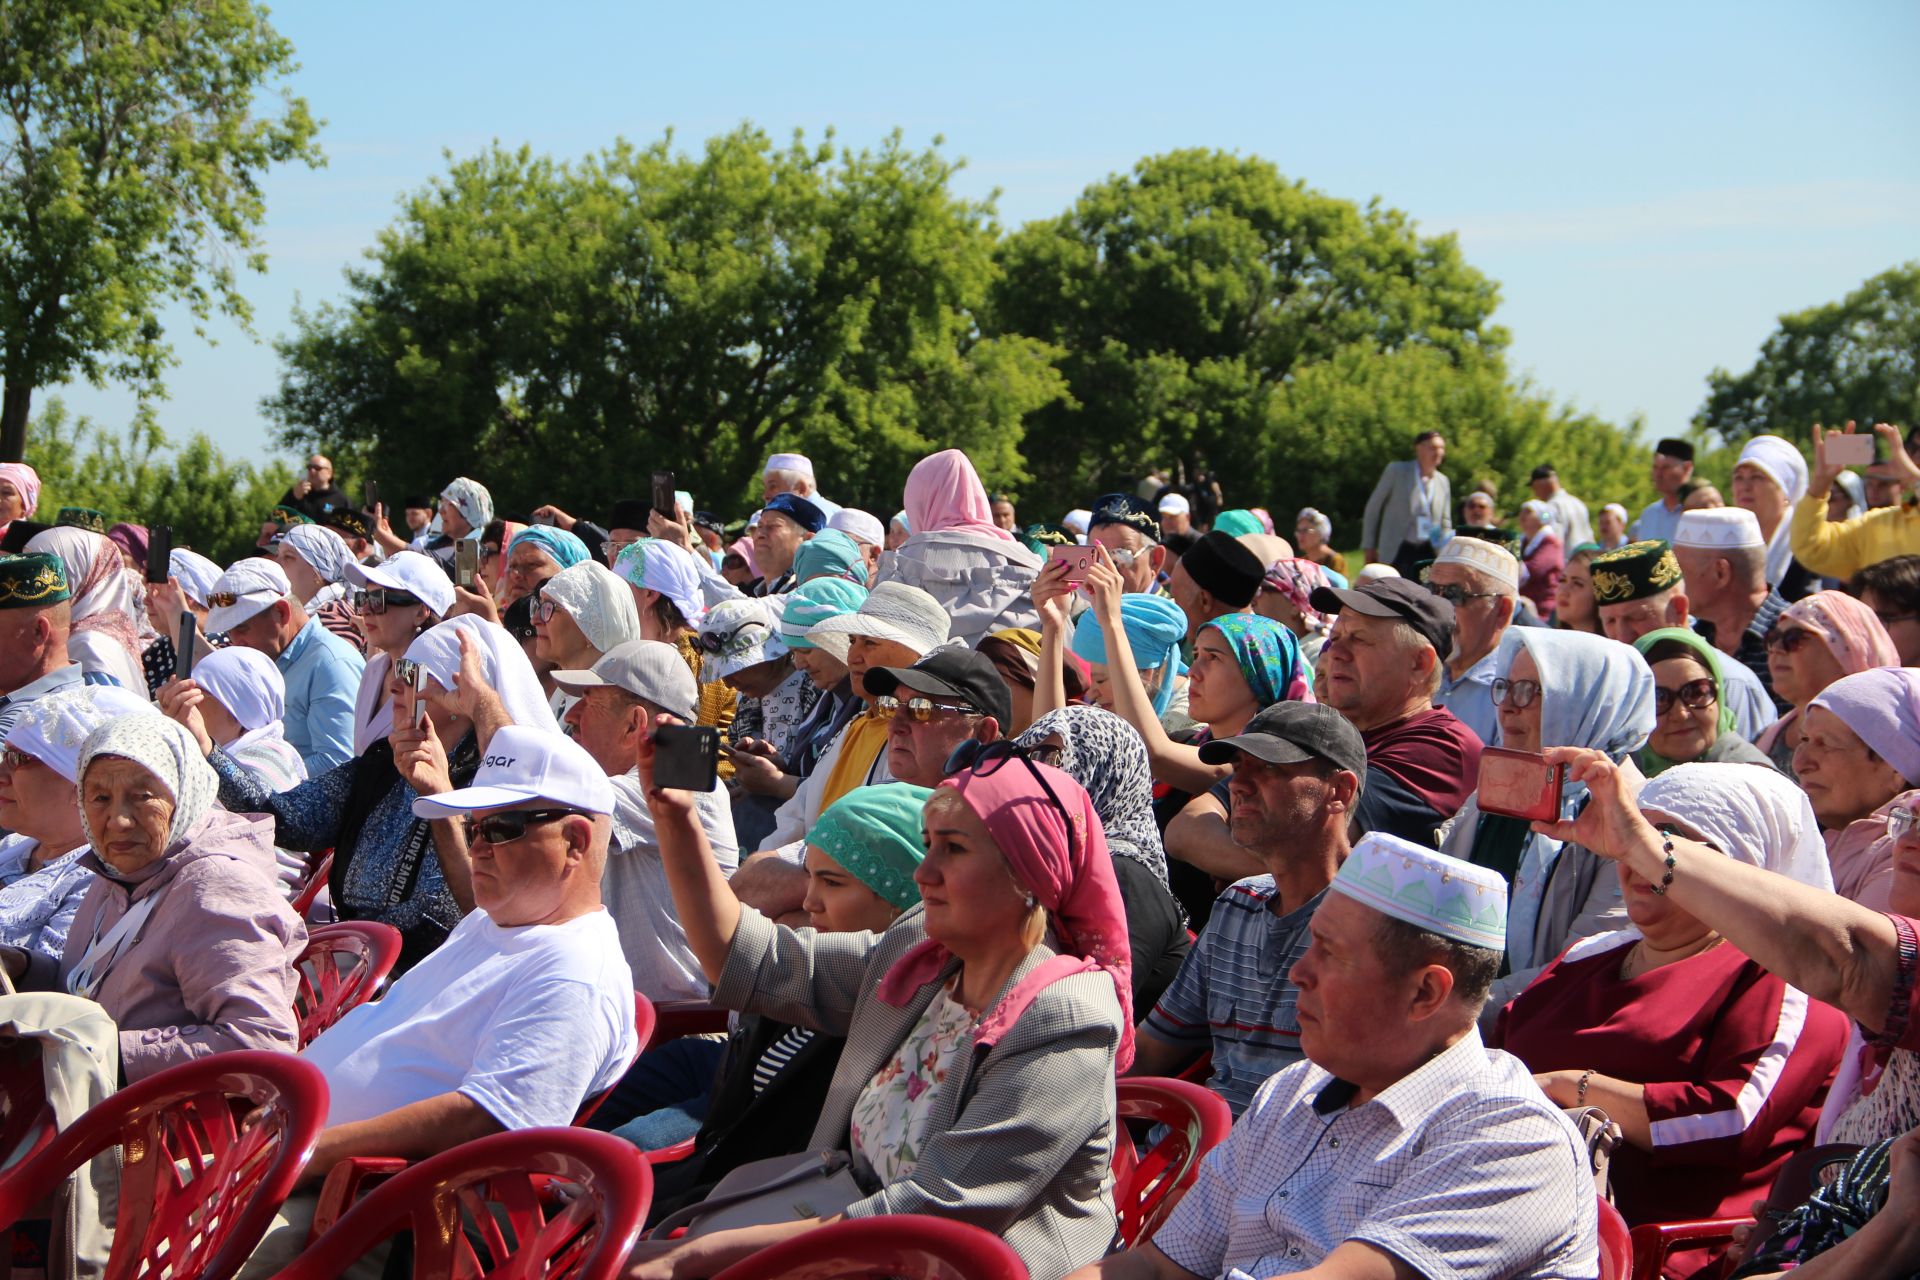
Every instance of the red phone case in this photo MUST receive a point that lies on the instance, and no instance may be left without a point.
(1520, 784)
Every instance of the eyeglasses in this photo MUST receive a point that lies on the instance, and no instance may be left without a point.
(377, 600)
(921, 710)
(14, 758)
(542, 609)
(1457, 595)
(1522, 692)
(983, 760)
(1901, 821)
(1695, 695)
(610, 550)
(1787, 639)
(505, 828)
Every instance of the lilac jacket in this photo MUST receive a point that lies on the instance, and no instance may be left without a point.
(212, 968)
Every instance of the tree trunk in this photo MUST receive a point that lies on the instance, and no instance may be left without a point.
(15, 403)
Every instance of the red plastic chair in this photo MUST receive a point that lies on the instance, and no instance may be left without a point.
(343, 966)
(643, 1030)
(911, 1246)
(1146, 1188)
(482, 1210)
(315, 882)
(1655, 1242)
(677, 1018)
(201, 1177)
(1616, 1245)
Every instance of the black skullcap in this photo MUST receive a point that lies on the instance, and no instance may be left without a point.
(629, 513)
(1126, 509)
(1221, 565)
(1679, 450)
(1544, 471)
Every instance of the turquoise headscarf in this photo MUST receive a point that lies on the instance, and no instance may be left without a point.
(830, 554)
(566, 549)
(874, 832)
(1269, 657)
(1154, 625)
(816, 601)
(1236, 521)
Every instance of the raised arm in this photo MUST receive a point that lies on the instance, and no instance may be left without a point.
(708, 910)
(1050, 595)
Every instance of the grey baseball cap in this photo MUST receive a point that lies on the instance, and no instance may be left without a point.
(1294, 732)
(644, 668)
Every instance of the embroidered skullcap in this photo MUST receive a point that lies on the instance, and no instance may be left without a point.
(1718, 528)
(861, 526)
(33, 581)
(52, 728)
(1426, 889)
(1488, 558)
(1634, 572)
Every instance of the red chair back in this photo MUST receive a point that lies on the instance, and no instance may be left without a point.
(907, 1245)
(27, 1122)
(315, 882)
(209, 1150)
(1616, 1245)
(1146, 1188)
(643, 1023)
(480, 1209)
(343, 966)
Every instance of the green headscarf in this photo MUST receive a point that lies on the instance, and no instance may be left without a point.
(1650, 761)
(830, 554)
(1238, 520)
(874, 832)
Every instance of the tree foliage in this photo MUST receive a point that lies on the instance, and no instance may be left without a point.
(130, 161)
(560, 329)
(1857, 358)
(214, 506)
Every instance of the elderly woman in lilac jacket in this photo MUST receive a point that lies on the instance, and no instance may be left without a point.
(184, 938)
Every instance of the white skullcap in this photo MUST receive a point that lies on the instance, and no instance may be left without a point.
(1077, 520)
(1374, 571)
(1174, 505)
(1427, 889)
(1781, 461)
(1721, 528)
(1617, 509)
(859, 525)
(798, 463)
(1485, 557)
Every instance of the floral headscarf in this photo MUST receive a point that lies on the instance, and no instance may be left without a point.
(103, 598)
(1297, 579)
(1269, 658)
(471, 499)
(1105, 755)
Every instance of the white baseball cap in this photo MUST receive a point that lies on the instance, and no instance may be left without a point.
(524, 764)
(247, 587)
(420, 576)
(1174, 505)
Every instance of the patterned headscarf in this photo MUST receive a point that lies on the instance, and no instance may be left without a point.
(874, 832)
(27, 481)
(598, 602)
(1105, 755)
(471, 499)
(166, 750)
(565, 549)
(1855, 636)
(103, 599)
(1297, 579)
(1269, 658)
(1058, 853)
(325, 551)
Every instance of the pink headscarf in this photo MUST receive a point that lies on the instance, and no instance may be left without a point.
(1071, 876)
(743, 547)
(103, 598)
(944, 493)
(1854, 633)
(27, 481)
(1297, 579)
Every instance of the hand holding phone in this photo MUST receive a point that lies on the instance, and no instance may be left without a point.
(1850, 449)
(186, 651)
(417, 710)
(1520, 784)
(1078, 560)
(466, 563)
(686, 757)
(663, 494)
(159, 552)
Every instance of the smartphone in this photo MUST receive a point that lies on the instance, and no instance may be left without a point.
(1078, 560)
(1854, 450)
(686, 757)
(373, 496)
(1520, 784)
(417, 712)
(466, 563)
(185, 652)
(159, 552)
(663, 493)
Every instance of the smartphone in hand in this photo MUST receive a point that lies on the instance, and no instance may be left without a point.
(1854, 450)
(159, 552)
(466, 563)
(187, 649)
(1520, 784)
(663, 495)
(1078, 560)
(686, 757)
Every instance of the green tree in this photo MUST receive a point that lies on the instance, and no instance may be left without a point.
(1856, 358)
(130, 161)
(215, 506)
(1188, 293)
(560, 329)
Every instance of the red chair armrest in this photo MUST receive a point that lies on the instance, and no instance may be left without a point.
(345, 1183)
(1653, 1241)
(667, 1155)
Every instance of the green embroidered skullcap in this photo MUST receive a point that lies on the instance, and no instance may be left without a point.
(1634, 572)
(874, 832)
(816, 601)
(81, 518)
(33, 581)
(1427, 889)
(284, 514)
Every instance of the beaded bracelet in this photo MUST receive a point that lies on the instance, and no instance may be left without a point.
(1666, 844)
(1580, 1090)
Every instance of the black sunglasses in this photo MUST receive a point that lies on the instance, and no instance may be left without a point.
(983, 760)
(377, 600)
(505, 828)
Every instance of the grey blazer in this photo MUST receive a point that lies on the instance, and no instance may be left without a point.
(1395, 503)
(1020, 1141)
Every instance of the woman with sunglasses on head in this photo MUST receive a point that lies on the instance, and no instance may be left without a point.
(1815, 641)
(1692, 719)
(1554, 689)
(983, 1027)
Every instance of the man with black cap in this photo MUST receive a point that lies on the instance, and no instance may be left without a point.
(1383, 665)
(941, 701)
(36, 617)
(1297, 771)
(1125, 526)
(1569, 513)
(1672, 467)
(1217, 576)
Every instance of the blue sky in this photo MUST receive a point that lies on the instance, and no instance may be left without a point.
(1651, 184)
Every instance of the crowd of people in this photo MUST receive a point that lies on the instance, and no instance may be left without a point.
(1000, 812)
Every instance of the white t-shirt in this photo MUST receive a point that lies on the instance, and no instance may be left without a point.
(527, 1021)
(634, 888)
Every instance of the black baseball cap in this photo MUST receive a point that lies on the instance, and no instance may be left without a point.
(1401, 598)
(950, 673)
(1293, 732)
(1544, 471)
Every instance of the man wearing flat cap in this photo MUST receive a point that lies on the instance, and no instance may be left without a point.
(36, 617)
(1672, 467)
(1402, 1146)
(1217, 576)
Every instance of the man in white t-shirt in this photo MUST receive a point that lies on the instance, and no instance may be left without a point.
(525, 1011)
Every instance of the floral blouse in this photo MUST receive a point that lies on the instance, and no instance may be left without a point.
(890, 1116)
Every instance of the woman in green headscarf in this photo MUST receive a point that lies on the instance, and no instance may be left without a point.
(1692, 718)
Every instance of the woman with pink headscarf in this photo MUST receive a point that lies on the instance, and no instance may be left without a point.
(983, 1028)
(1816, 641)
(19, 498)
(980, 573)
(105, 640)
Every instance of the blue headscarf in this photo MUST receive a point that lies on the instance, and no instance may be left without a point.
(1269, 657)
(1154, 625)
(566, 549)
(830, 554)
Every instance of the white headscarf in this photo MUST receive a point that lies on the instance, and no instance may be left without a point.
(248, 684)
(372, 709)
(501, 659)
(103, 599)
(598, 602)
(194, 572)
(325, 551)
(1786, 468)
(167, 751)
(471, 499)
(1754, 815)
(52, 727)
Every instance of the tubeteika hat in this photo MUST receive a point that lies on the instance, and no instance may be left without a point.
(81, 518)
(629, 513)
(1221, 565)
(861, 526)
(1720, 528)
(798, 463)
(797, 509)
(348, 521)
(523, 764)
(1482, 556)
(1634, 572)
(33, 581)
(1124, 508)
(1426, 889)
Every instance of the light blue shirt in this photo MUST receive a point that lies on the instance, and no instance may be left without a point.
(322, 672)
(1470, 698)
(1656, 522)
(65, 677)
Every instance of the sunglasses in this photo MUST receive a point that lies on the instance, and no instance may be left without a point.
(984, 759)
(1902, 821)
(1787, 639)
(1522, 692)
(14, 758)
(721, 641)
(1457, 595)
(377, 600)
(1695, 695)
(505, 828)
(222, 600)
(921, 710)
